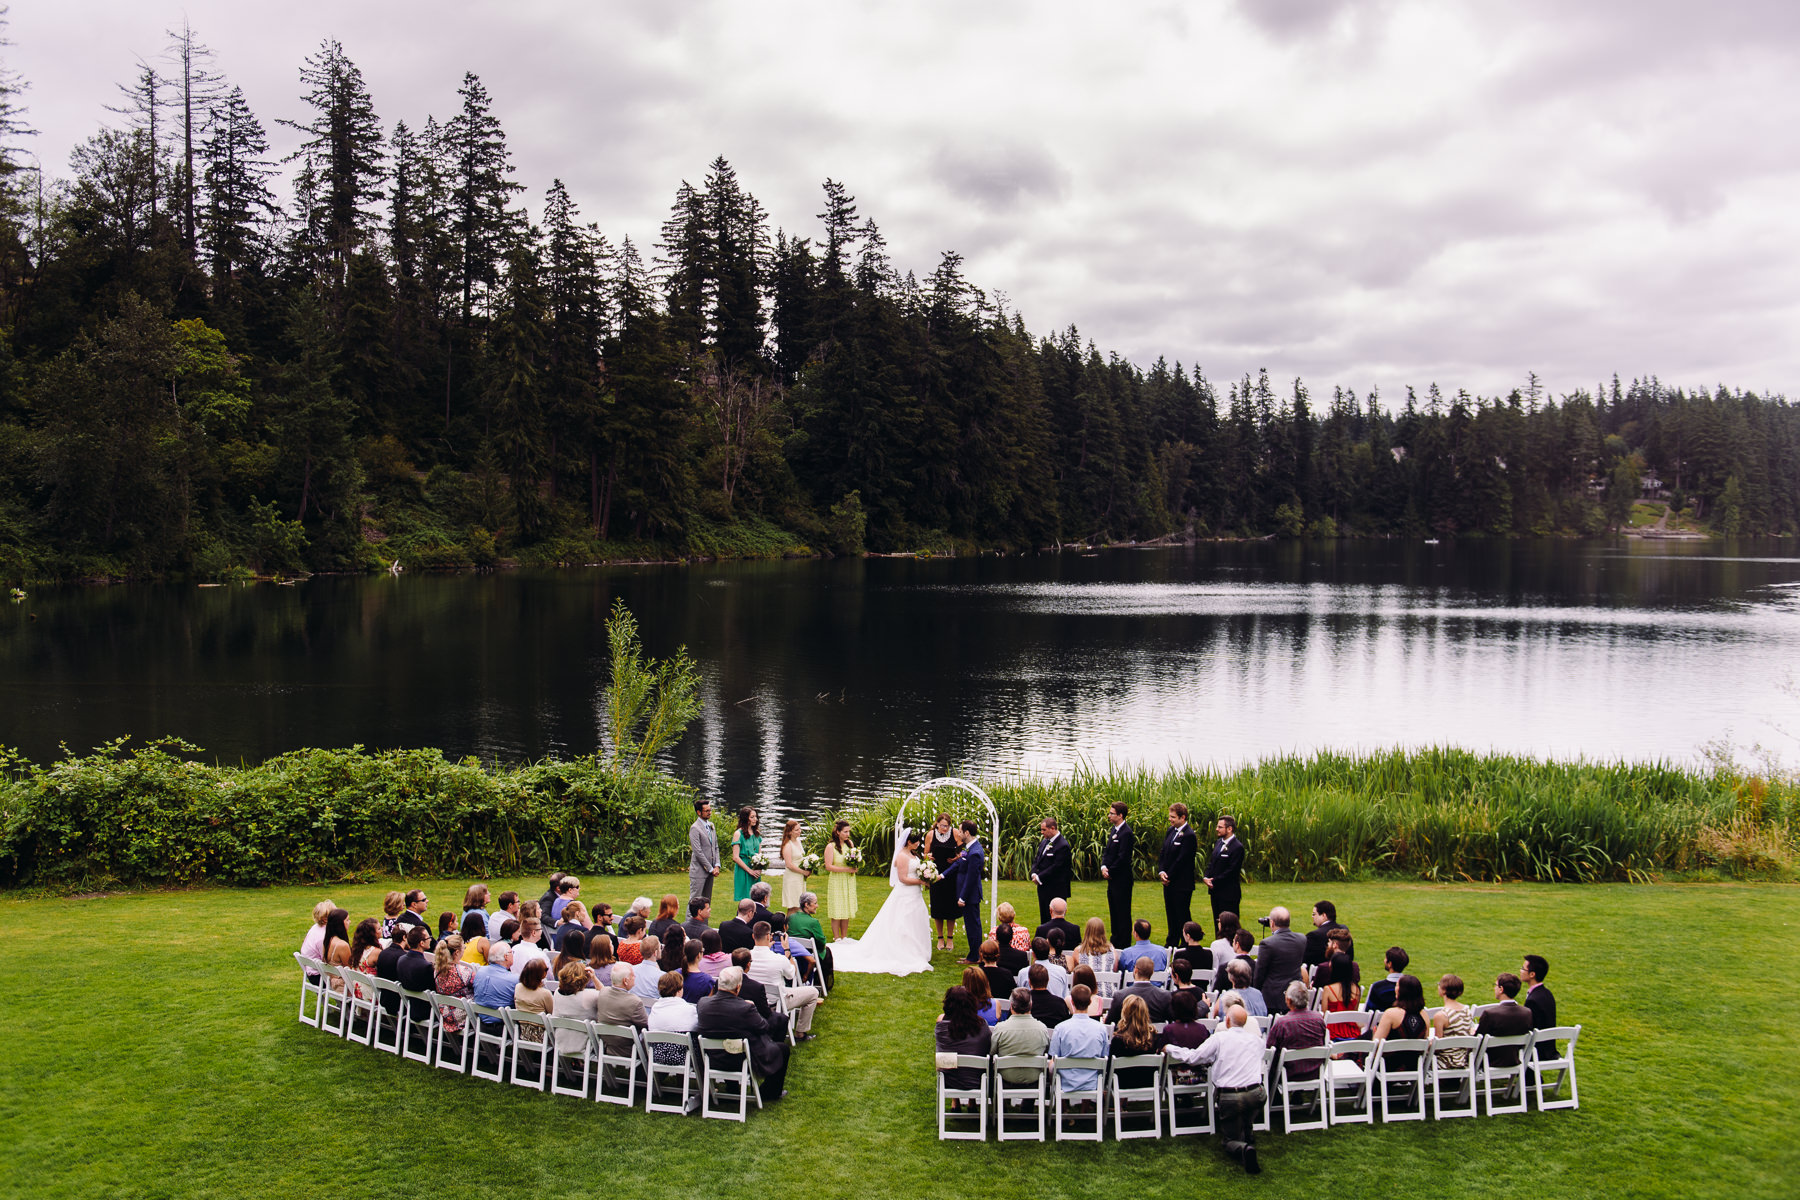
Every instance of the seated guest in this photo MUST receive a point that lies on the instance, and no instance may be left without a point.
(574, 950)
(1238, 974)
(759, 895)
(1297, 1029)
(1097, 1004)
(1538, 1000)
(365, 946)
(977, 986)
(1318, 943)
(392, 905)
(631, 939)
(474, 925)
(961, 1030)
(1405, 1021)
(735, 934)
(414, 970)
(726, 1015)
(446, 925)
(575, 1000)
(474, 904)
(672, 1013)
(530, 995)
(642, 906)
(787, 948)
(1224, 948)
(1059, 921)
(495, 983)
(574, 925)
(714, 958)
(1184, 1027)
(645, 988)
(387, 967)
(1058, 952)
(1046, 1005)
(777, 971)
(1342, 993)
(1040, 952)
(1453, 1020)
(1078, 1037)
(313, 944)
(1508, 1018)
(1155, 998)
(1000, 980)
(1181, 973)
(600, 960)
(674, 951)
(506, 908)
(1133, 1034)
(334, 943)
(550, 890)
(526, 948)
(1021, 1035)
(805, 923)
(451, 976)
(1143, 947)
(529, 913)
(699, 917)
(1016, 936)
(753, 991)
(1095, 951)
(1195, 953)
(1243, 946)
(1381, 995)
(568, 889)
(475, 952)
(620, 1005)
(602, 915)
(413, 913)
(695, 983)
(667, 917)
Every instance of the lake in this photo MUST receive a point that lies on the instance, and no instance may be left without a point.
(827, 682)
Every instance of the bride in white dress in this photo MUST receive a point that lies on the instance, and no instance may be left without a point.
(898, 940)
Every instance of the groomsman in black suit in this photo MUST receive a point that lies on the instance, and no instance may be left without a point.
(1053, 869)
(1175, 867)
(1116, 869)
(1225, 871)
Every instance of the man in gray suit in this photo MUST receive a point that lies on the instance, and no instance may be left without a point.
(1280, 959)
(703, 846)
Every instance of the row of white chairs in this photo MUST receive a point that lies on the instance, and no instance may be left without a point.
(613, 1064)
(1356, 1080)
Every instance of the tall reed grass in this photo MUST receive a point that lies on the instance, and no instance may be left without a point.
(1432, 814)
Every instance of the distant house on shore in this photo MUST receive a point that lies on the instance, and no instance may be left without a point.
(1651, 488)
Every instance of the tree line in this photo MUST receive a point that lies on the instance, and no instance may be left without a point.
(216, 362)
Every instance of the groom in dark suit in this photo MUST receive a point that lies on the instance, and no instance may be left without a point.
(1053, 869)
(967, 869)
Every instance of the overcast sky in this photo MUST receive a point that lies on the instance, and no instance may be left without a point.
(1371, 192)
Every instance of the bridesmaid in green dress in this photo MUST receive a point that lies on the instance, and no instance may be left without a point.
(840, 889)
(744, 845)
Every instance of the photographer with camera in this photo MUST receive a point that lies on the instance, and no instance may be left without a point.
(1280, 959)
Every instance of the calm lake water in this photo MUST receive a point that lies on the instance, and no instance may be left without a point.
(834, 681)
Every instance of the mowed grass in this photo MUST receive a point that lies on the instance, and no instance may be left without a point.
(152, 1050)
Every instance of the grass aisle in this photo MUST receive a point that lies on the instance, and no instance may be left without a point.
(152, 1051)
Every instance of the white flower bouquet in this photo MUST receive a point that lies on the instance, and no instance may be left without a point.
(809, 863)
(759, 861)
(852, 855)
(928, 871)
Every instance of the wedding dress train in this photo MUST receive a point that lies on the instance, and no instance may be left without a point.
(898, 940)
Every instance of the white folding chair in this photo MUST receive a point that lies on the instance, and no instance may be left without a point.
(1021, 1100)
(1362, 1018)
(1459, 1082)
(334, 1010)
(1271, 1056)
(359, 1007)
(1348, 1079)
(1119, 1096)
(387, 1018)
(1161, 979)
(1263, 1023)
(665, 1079)
(312, 989)
(491, 1033)
(1110, 983)
(948, 1097)
(563, 1063)
(1563, 1064)
(1300, 1096)
(455, 1046)
(621, 1061)
(530, 1061)
(720, 1082)
(1188, 1092)
(1510, 1080)
(418, 1025)
(1393, 1083)
(1063, 1097)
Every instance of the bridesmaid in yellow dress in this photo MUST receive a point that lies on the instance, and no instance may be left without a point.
(840, 890)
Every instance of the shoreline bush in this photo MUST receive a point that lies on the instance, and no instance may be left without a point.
(157, 816)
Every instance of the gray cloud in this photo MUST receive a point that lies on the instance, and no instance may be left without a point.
(999, 177)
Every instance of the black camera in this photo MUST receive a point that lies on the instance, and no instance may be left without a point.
(1263, 921)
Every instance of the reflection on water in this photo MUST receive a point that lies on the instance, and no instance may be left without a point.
(832, 681)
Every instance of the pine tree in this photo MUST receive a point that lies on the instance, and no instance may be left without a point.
(342, 154)
(481, 191)
(196, 89)
(239, 203)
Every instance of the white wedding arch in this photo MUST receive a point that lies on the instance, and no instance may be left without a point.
(993, 848)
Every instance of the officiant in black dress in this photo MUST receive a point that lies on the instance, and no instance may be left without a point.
(942, 847)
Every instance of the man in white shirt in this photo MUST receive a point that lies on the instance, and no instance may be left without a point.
(1236, 1056)
(507, 909)
(1059, 978)
(774, 970)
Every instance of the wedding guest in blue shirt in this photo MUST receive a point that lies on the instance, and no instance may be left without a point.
(1143, 948)
(495, 982)
(1079, 1037)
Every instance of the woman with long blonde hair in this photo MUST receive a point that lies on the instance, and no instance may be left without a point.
(1095, 950)
(793, 879)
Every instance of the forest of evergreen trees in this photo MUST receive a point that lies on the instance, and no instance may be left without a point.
(202, 377)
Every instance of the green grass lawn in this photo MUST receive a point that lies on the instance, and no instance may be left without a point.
(152, 1050)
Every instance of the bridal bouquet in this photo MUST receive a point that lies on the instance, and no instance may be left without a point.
(852, 856)
(809, 863)
(759, 861)
(928, 871)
